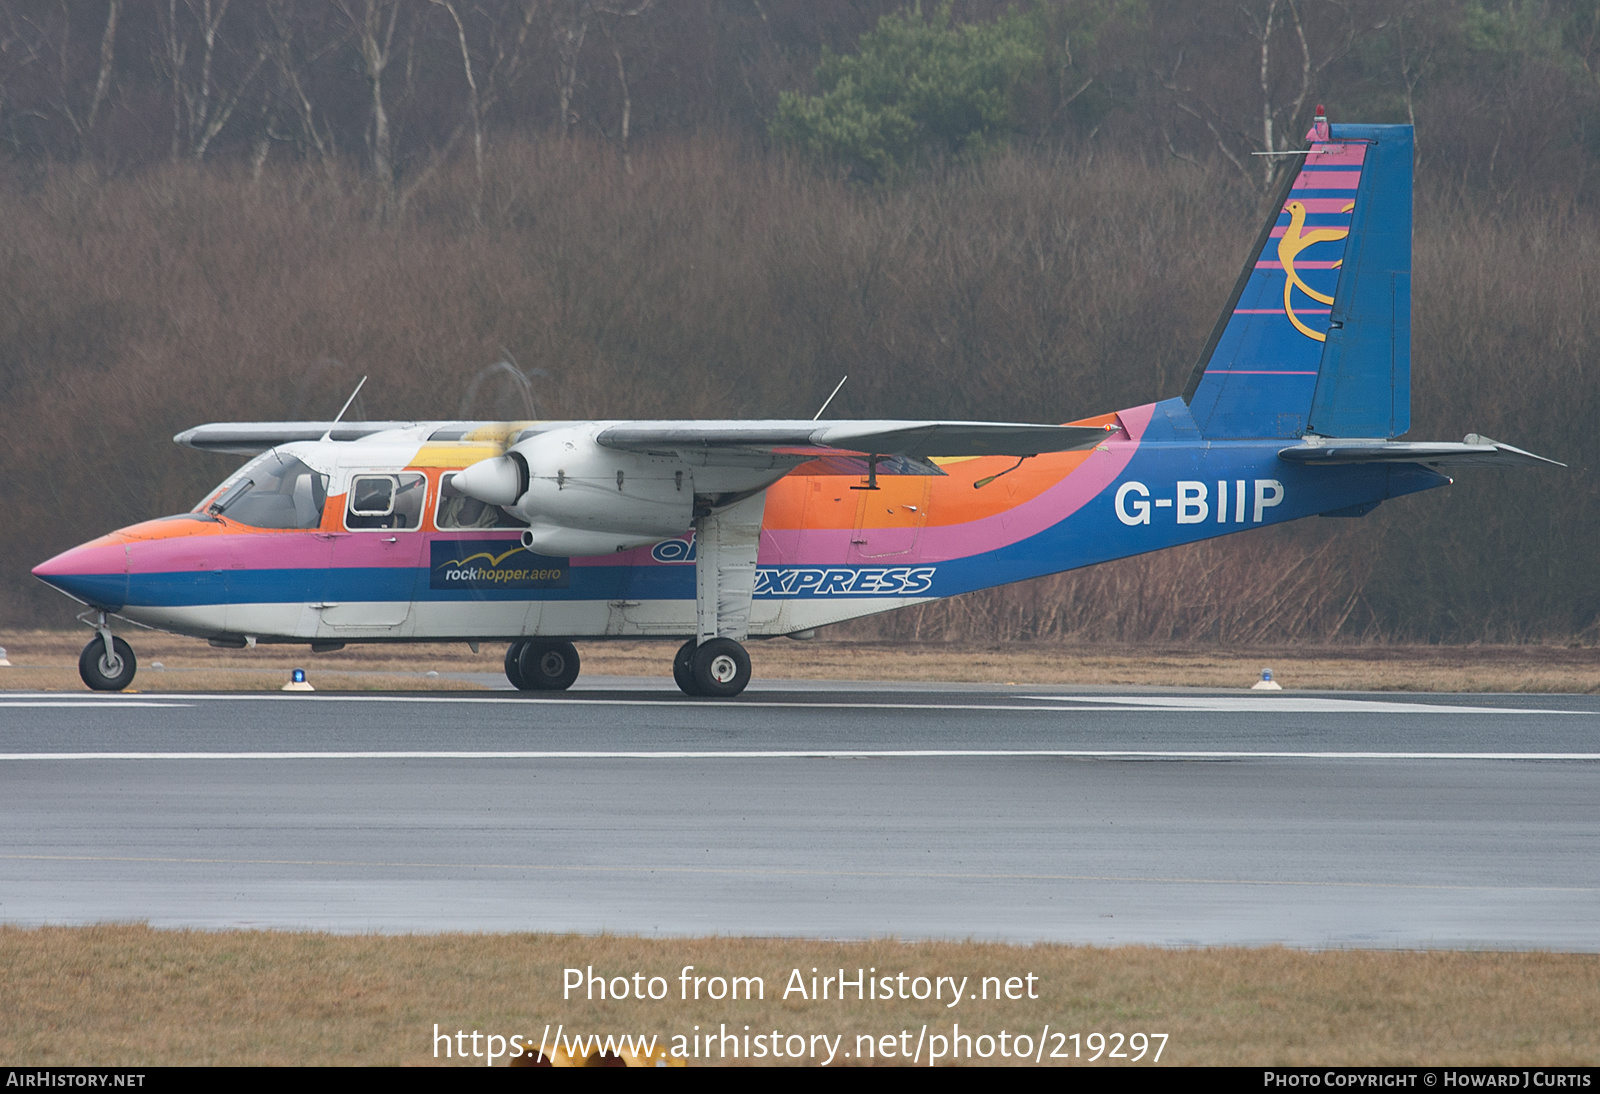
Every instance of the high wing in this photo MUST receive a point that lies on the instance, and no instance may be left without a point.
(913, 439)
(248, 438)
(1474, 450)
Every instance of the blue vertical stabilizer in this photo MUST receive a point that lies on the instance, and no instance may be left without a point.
(1317, 336)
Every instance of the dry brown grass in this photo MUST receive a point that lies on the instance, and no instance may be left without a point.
(47, 661)
(128, 995)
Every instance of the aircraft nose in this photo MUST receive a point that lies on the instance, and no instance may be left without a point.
(95, 573)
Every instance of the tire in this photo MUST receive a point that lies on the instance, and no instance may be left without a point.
(683, 667)
(721, 668)
(513, 669)
(103, 675)
(548, 666)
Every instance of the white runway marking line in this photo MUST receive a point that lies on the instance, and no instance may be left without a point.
(810, 754)
(739, 871)
(680, 704)
(1260, 704)
(1243, 704)
(117, 703)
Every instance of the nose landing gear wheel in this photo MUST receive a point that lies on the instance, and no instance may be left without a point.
(104, 673)
(683, 668)
(721, 668)
(548, 666)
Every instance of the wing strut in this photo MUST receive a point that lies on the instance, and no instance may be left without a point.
(725, 569)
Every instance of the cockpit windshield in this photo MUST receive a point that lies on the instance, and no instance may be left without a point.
(272, 491)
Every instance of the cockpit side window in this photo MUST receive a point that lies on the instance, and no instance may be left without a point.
(372, 496)
(273, 491)
(456, 510)
(385, 501)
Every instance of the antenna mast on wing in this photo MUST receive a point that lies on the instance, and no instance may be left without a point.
(829, 399)
(329, 434)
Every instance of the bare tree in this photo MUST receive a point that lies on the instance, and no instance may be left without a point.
(499, 61)
(19, 52)
(611, 15)
(201, 105)
(571, 26)
(287, 38)
(1415, 58)
(36, 39)
(1285, 66)
(627, 100)
(374, 23)
(102, 83)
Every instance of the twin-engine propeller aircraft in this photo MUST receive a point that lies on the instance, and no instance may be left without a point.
(538, 533)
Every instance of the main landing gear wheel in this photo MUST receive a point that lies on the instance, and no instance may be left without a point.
(683, 667)
(104, 673)
(721, 668)
(547, 666)
(513, 670)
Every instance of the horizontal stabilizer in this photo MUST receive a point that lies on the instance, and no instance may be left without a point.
(1474, 451)
(247, 438)
(886, 438)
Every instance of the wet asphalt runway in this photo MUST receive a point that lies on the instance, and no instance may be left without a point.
(950, 811)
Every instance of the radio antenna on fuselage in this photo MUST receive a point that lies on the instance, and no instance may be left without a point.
(329, 434)
(829, 399)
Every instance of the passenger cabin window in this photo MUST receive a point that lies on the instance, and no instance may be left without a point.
(456, 510)
(273, 491)
(385, 501)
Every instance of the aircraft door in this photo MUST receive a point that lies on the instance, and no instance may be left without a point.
(376, 560)
(829, 509)
(274, 583)
(890, 519)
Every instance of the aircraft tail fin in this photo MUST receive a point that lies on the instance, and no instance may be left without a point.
(1316, 338)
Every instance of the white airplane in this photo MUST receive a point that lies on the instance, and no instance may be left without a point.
(714, 532)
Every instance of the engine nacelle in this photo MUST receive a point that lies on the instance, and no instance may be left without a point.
(580, 498)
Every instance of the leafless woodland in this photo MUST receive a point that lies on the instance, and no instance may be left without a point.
(213, 211)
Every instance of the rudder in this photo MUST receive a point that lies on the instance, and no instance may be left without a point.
(1317, 335)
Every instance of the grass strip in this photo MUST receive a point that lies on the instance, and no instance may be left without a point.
(128, 995)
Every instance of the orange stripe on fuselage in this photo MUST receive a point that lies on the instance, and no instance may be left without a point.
(176, 527)
(948, 500)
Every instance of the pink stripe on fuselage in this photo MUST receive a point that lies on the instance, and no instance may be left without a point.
(938, 543)
(89, 558)
(277, 551)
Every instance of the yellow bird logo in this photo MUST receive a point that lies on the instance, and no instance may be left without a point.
(491, 559)
(1296, 239)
